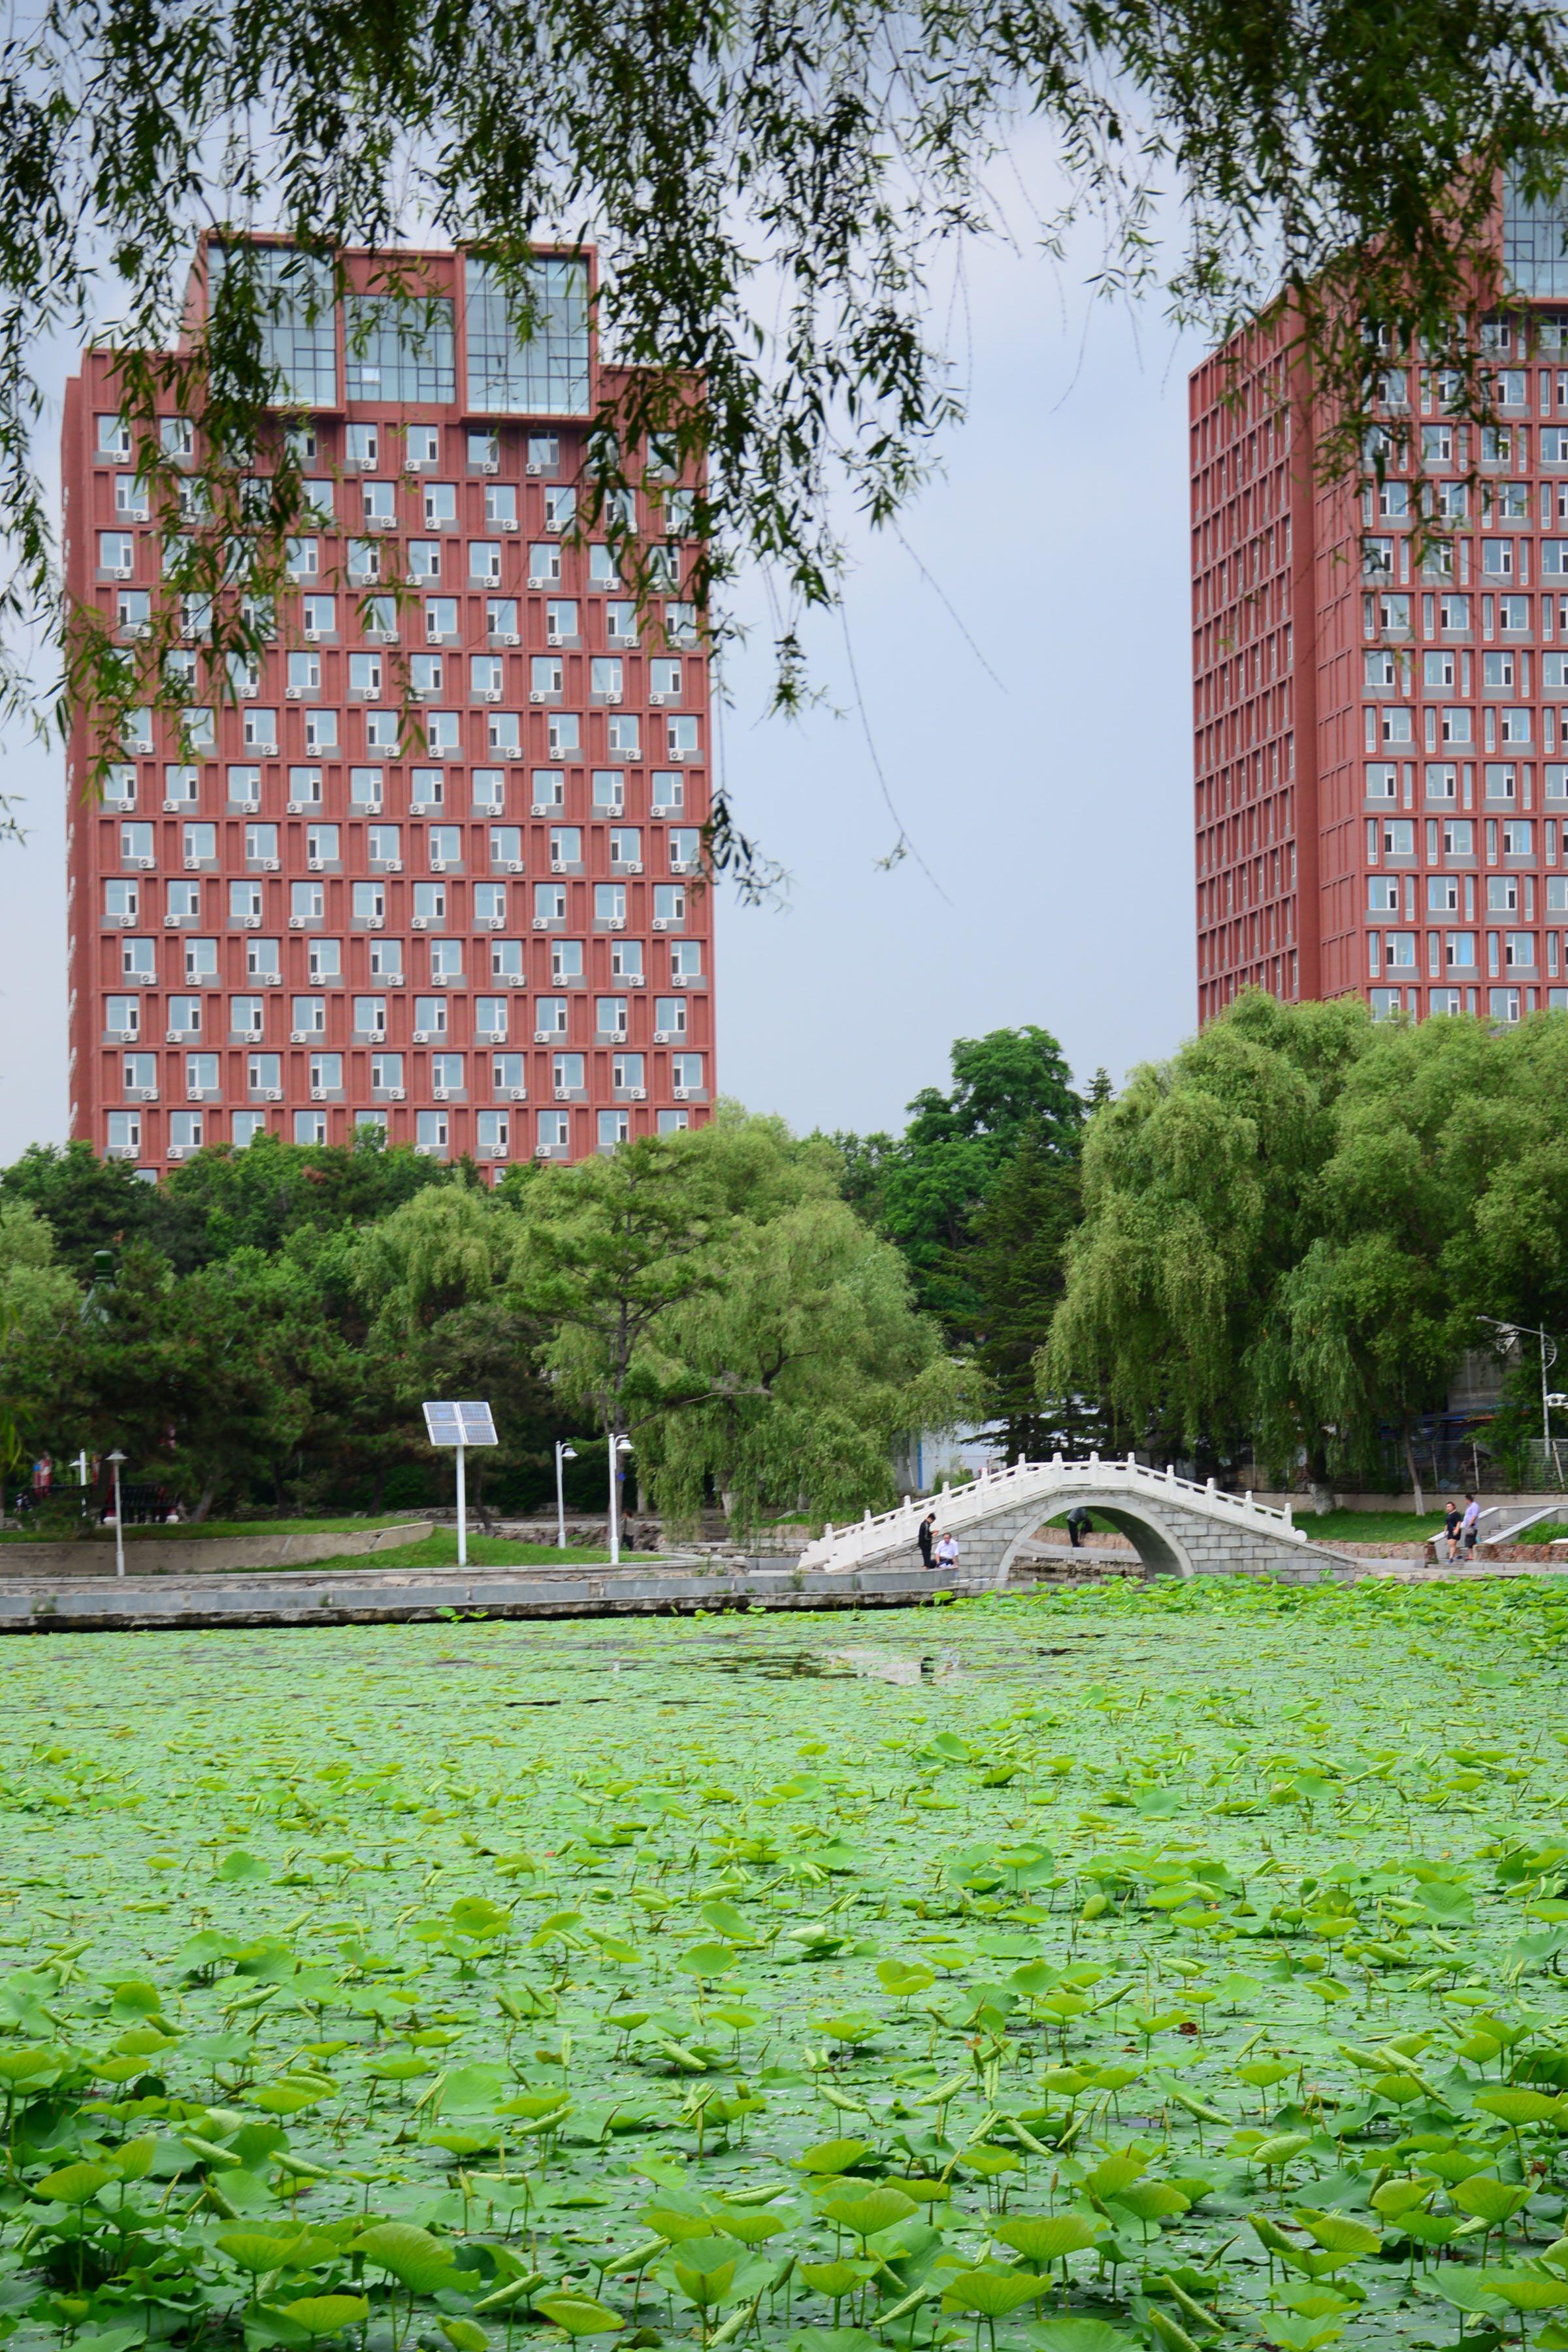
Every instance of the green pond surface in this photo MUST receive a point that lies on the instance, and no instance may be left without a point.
(1175, 1966)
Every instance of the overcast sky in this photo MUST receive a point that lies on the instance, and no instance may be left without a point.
(1053, 808)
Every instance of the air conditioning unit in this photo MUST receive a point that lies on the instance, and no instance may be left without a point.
(297, 922)
(552, 523)
(491, 922)
(293, 693)
(542, 922)
(177, 1150)
(511, 866)
(249, 922)
(535, 580)
(490, 466)
(540, 808)
(300, 1036)
(630, 979)
(169, 920)
(381, 637)
(440, 1093)
(681, 1094)
(615, 922)
(143, 1094)
(315, 865)
(141, 628)
(491, 1036)
(173, 807)
(178, 1036)
(376, 922)
(509, 978)
(614, 701)
(421, 1036)
(393, 865)
(395, 1094)
(665, 808)
(543, 1036)
(321, 1094)
(513, 1094)
(663, 922)
(419, 923)
(627, 865)
(269, 751)
(505, 525)
(272, 1094)
(658, 700)
(437, 865)
(552, 637)
(539, 694)
(122, 1037)
(249, 690)
(362, 462)
(635, 1093)
(119, 572)
(488, 694)
(387, 978)
(558, 865)
(563, 1094)
(297, 808)
(612, 1036)
(662, 1036)
(312, 636)
(533, 469)
(510, 637)
(265, 979)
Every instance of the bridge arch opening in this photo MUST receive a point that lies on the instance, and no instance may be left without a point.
(1160, 1549)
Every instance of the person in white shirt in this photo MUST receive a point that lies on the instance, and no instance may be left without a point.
(1470, 1525)
(947, 1553)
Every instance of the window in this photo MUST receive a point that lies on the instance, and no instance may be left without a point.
(1439, 671)
(610, 904)
(566, 962)
(136, 730)
(425, 674)
(310, 1126)
(547, 674)
(543, 370)
(1458, 837)
(1460, 950)
(609, 792)
(669, 906)
(1503, 894)
(123, 1016)
(201, 959)
(423, 559)
(124, 1133)
(139, 1075)
(554, 1131)
(1513, 615)
(430, 1133)
(387, 959)
(369, 904)
(429, 1017)
(1401, 951)
(506, 961)
(446, 962)
(683, 742)
(307, 903)
(122, 901)
(264, 1075)
(1399, 837)
(560, 621)
(246, 1126)
(430, 903)
(387, 1073)
(245, 903)
(365, 788)
(399, 349)
(603, 571)
(490, 902)
(626, 847)
(491, 1019)
(324, 962)
(549, 903)
(247, 1016)
(566, 733)
(370, 1017)
(621, 623)
(688, 1072)
(506, 846)
(500, 505)
(668, 1019)
(1382, 894)
(1500, 777)
(686, 960)
(116, 553)
(544, 565)
(1519, 951)
(566, 1071)
(550, 1017)
(614, 1127)
(120, 787)
(610, 1017)
(1456, 724)
(624, 735)
(1502, 1003)
(447, 1075)
(184, 1016)
(184, 1133)
(201, 1075)
(261, 728)
(626, 1075)
(1557, 894)
(427, 788)
(684, 849)
(131, 498)
(137, 959)
(484, 564)
(549, 790)
(441, 505)
(1382, 784)
(1515, 726)
(1442, 893)
(382, 730)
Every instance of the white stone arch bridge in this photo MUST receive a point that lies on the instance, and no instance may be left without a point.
(1176, 1527)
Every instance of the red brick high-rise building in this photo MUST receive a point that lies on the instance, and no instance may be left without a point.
(1381, 674)
(285, 917)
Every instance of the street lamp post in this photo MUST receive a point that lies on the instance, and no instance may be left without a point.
(564, 1452)
(1507, 1331)
(618, 1445)
(116, 1458)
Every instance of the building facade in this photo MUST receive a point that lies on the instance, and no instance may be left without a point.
(434, 865)
(1381, 673)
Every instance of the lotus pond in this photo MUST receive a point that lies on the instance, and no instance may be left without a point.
(1168, 1965)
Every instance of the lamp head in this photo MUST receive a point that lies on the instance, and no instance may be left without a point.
(569, 1454)
(117, 1456)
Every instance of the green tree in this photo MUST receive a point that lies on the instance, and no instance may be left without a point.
(925, 1191)
(1198, 1202)
(1020, 1233)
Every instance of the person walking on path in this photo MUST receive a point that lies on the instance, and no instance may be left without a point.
(1078, 1526)
(1451, 1519)
(1470, 1524)
(926, 1537)
(947, 1551)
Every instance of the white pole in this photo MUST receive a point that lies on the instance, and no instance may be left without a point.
(560, 1499)
(615, 1504)
(462, 1508)
(119, 1528)
(82, 1469)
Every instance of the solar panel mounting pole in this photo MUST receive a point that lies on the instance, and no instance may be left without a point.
(462, 1506)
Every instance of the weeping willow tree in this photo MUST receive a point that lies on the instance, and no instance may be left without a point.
(774, 189)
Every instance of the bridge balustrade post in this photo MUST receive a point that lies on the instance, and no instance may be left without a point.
(1289, 1522)
(1210, 1489)
(1250, 1498)
(1056, 1459)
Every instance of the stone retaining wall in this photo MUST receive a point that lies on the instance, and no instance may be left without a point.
(200, 1554)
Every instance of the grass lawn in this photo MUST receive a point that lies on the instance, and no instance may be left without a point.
(186, 1532)
(1091, 1959)
(440, 1550)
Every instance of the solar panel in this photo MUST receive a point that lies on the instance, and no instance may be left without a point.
(465, 1424)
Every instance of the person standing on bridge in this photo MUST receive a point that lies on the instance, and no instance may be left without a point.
(1470, 1524)
(1451, 1531)
(926, 1537)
